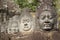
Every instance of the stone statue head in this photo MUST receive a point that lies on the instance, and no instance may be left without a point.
(47, 18)
(26, 21)
(12, 26)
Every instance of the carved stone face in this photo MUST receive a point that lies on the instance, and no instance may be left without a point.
(26, 24)
(46, 20)
(12, 27)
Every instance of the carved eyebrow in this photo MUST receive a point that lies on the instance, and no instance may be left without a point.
(41, 14)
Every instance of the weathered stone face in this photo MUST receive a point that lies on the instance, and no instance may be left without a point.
(13, 25)
(26, 23)
(46, 20)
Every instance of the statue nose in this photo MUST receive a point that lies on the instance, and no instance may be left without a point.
(47, 20)
(25, 24)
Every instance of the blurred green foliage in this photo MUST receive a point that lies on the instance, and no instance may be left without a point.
(31, 4)
(57, 2)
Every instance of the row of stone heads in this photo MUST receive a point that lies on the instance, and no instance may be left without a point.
(44, 20)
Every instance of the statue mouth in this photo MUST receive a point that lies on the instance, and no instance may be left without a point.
(47, 26)
(26, 27)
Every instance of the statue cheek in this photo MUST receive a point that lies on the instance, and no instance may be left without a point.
(51, 21)
(41, 21)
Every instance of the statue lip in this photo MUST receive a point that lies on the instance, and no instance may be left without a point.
(26, 28)
(46, 24)
(47, 28)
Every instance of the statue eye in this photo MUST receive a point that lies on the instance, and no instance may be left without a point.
(42, 17)
(9, 29)
(50, 17)
(23, 21)
(27, 20)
